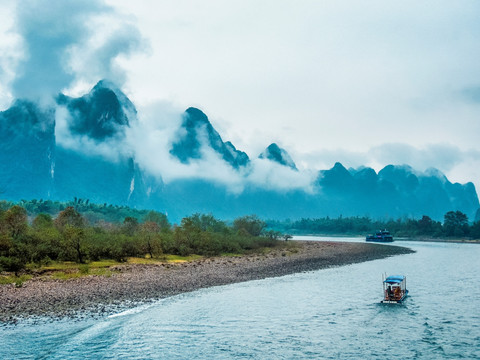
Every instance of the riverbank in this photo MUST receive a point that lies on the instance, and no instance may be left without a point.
(396, 238)
(130, 285)
(440, 240)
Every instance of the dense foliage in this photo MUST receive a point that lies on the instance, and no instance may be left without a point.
(92, 213)
(455, 224)
(39, 232)
(69, 236)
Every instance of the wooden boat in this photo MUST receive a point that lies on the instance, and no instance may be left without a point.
(394, 289)
(380, 236)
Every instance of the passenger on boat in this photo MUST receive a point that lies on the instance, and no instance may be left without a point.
(397, 293)
(389, 293)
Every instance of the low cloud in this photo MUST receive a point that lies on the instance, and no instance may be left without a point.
(271, 175)
(158, 127)
(112, 149)
(64, 42)
(441, 156)
(150, 138)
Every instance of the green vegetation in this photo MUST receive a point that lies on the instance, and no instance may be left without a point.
(455, 225)
(74, 239)
(91, 213)
(68, 244)
(13, 279)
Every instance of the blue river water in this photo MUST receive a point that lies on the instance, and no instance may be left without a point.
(327, 314)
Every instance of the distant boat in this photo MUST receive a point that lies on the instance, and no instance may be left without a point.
(394, 289)
(380, 236)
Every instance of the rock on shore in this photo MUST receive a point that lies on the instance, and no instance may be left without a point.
(135, 284)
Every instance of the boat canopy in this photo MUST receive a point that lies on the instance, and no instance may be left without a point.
(394, 279)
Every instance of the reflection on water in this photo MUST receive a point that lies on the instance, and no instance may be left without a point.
(333, 313)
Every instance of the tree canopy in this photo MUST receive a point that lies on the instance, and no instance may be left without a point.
(69, 236)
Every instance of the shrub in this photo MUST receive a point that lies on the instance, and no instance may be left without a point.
(12, 263)
(84, 269)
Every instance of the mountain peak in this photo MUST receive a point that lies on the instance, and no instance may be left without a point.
(275, 153)
(107, 84)
(339, 167)
(402, 176)
(100, 114)
(198, 132)
(337, 178)
(195, 116)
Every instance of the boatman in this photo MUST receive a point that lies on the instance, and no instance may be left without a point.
(397, 292)
(389, 292)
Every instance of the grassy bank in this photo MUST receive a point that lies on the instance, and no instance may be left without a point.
(71, 238)
(66, 270)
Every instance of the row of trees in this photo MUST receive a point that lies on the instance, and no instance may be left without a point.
(455, 224)
(91, 212)
(68, 237)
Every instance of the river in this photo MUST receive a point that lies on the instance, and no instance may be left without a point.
(326, 314)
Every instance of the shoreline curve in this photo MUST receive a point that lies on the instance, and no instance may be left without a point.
(133, 285)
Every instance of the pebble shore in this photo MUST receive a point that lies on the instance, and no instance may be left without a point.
(131, 285)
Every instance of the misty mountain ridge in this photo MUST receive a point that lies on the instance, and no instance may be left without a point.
(275, 153)
(196, 130)
(38, 161)
(102, 113)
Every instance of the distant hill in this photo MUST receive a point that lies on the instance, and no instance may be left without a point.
(78, 148)
(275, 153)
(195, 129)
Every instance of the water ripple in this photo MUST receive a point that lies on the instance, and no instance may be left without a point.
(302, 316)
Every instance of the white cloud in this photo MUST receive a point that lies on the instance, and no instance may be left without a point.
(270, 175)
(151, 138)
(113, 148)
(49, 46)
(159, 125)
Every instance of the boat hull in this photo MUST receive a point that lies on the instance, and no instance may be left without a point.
(379, 239)
(380, 236)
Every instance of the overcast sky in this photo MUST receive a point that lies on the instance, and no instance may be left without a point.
(360, 82)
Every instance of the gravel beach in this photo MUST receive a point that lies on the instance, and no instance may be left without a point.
(131, 285)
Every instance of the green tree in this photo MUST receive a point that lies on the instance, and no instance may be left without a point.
(74, 242)
(6, 244)
(273, 235)
(475, 230)
(45, 243)
(71, 226)
(188, 235)
(151, 240)
(11, 263)
(249, 224)
(206, 223)
(69, 216)
(15, 220)
(130, 226)
(425, 225)
(455, 223)
(42, 221)
(158, 218)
